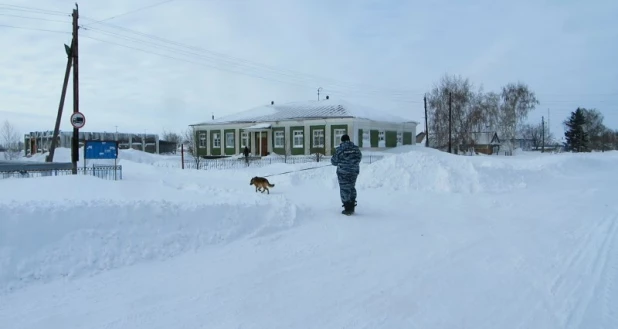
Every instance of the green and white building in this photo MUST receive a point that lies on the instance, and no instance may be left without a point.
(301, 128)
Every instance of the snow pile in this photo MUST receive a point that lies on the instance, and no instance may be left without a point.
(63, 154)
(101, 225)
(422, 170)
(205, 250)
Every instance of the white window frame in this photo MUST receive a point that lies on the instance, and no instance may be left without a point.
(229, 145)
(216, 140)
(381, 136)
(245, 139)
(319, 134)
(279, 139)
(202, 140)
(298, 135)
(337, 133)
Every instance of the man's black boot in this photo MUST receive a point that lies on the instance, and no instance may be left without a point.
(348, 208)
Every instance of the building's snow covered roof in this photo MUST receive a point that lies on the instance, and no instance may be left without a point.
(307, 110)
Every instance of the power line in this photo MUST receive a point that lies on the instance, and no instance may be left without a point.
(332, 91)
(6, 6)
(36, 18)
(234, 62)
(132, 11)
(34, 29)
(270, 67)
(244, 66)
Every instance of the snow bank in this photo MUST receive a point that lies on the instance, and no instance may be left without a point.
(421, 170)
(63, 154)
(42, 241)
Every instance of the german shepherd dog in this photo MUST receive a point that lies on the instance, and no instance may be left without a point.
(262, 184)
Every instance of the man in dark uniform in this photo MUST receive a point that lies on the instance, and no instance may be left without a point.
(246, 154)
(347, 158)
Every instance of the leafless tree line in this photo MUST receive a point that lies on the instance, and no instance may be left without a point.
(475, 110)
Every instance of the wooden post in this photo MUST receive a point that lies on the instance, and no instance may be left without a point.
(52, 148)
(449, 122)
(182, 155)
(542, 134)
(426, 130)
(75, 54)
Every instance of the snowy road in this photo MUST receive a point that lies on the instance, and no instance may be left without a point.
(542, 256)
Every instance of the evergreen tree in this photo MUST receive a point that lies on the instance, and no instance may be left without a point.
(576, 136)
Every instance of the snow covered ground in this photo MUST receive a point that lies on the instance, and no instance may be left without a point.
(439, 241)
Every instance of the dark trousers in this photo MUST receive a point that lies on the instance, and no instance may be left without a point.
(347, 186)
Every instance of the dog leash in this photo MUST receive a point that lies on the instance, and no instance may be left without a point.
(293, 171)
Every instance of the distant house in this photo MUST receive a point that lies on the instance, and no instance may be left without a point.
(420, 138)
(482, 142)
(302, 128)
(525, 144)
(40, 141)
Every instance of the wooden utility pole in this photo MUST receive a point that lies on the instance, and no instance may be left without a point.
(542, 134)
(450, 103)
(75, 55)
(426, 131)
(52, 148)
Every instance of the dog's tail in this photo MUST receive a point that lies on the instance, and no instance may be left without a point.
(271, 185)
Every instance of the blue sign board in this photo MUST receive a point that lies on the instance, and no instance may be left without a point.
(101, 150)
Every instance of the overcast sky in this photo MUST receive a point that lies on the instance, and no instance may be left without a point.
(225, 56)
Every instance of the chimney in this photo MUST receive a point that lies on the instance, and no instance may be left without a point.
(213, 116)
(272, 102)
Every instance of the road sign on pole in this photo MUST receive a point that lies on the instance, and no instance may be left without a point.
(78, 120)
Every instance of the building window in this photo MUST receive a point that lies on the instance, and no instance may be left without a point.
(202, 141)
(279, 139)
(381, 136)
(245, 139)
(338, 134)
(229, 140)
(298, 139)
(318, 138)
(399, 138)
(216, 140)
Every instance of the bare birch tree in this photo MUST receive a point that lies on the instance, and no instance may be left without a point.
(471, 111)
(190, 139)
(595, 128)
(517, 102)
(10, 140)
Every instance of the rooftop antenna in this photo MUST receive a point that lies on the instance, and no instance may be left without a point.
(320, 88)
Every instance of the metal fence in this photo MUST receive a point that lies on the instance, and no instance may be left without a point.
(239, 163)
(103, 172)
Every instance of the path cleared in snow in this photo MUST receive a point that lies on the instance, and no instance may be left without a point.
(439, 241)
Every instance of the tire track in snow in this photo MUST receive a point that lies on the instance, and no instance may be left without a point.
(574, 259)
(600, 274)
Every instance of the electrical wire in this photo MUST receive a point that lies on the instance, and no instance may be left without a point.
(359, 86)
(7, 6)
(37, 18)
(209, 65)
(34, 29)
(245, 67)
(242, 66)
(133, 11)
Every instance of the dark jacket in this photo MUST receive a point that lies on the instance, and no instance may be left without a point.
(347, 158)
